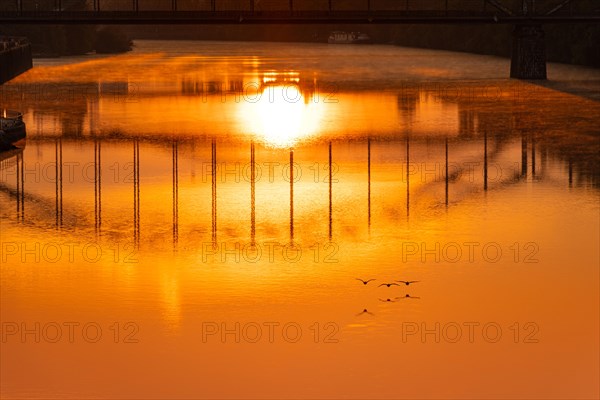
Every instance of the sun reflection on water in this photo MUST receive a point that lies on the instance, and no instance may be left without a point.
(281, 114)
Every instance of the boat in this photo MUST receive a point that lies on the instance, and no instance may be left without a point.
(280, 79)
(341, 37)
(12, 130)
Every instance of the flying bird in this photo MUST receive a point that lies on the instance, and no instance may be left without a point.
(388, 284)
(387, 300)
(408, 296)
(365, 311)
(408, 282)
(365, 282)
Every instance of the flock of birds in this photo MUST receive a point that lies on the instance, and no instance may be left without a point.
(388, 284)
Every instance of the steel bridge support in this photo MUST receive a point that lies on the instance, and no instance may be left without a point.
(528, 60)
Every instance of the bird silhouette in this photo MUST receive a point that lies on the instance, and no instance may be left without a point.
(388, 284)
(408, 296)
(365, 311)
(388, 300)
(408, 282)
(363, 281)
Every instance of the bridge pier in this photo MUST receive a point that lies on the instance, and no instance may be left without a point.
(15, 58)
(528, 59)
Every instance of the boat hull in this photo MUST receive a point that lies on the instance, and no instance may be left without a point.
(340, 37)
(12, 133)
(333, 41)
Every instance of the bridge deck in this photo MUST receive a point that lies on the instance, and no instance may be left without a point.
(295, 11)
(280, 17)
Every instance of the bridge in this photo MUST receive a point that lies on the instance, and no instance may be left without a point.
(296, 11)
(528, 59)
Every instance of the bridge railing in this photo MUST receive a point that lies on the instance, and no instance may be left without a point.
(262, 5)
(69, 9)
(65, 15)
(245, 5)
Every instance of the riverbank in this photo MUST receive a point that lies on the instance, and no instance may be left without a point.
(57, 41)
(569, 44)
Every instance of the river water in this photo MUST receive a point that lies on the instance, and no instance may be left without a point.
(189, 220)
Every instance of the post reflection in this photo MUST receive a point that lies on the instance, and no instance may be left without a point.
(58, 177)
(485, 161)
(533, 155)
(446, 174)
(20, 187)
(175, 194)
(369, 181)
(97, 187)
(524, 149)
(570, 163)
(292, 196)
(252, 195)
(503, 159)
(408, 173)
(214, 190)
(330, 180)
(136, 192)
